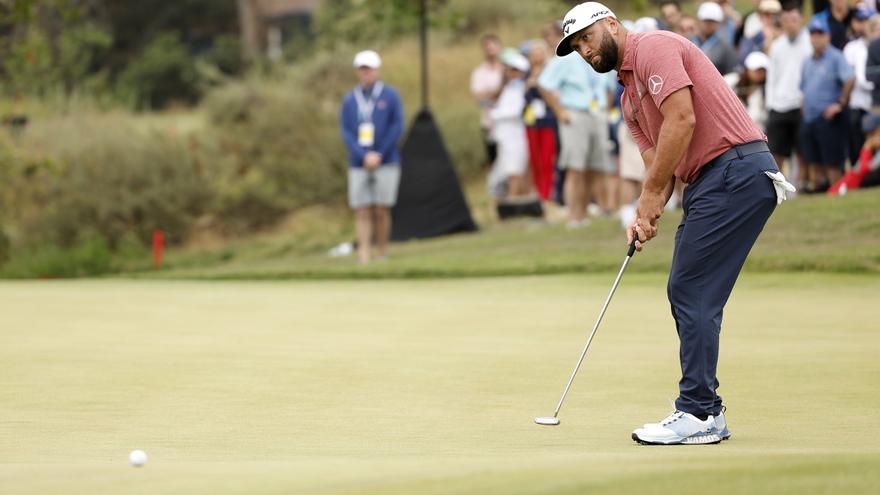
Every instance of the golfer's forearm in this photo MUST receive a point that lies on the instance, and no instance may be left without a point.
(675, 137)
(648, 157)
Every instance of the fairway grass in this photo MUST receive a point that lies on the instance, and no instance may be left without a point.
(427, 387)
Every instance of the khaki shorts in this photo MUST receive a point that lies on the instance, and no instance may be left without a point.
(631, 165)
(584, 143)
(373, 188)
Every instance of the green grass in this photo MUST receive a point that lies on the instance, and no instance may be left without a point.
(404, 387)
(808, 234)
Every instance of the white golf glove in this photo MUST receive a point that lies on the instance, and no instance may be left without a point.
(781, 185)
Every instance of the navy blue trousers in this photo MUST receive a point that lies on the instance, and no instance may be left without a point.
(725, 210)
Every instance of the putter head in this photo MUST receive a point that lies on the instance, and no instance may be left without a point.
(547, 421)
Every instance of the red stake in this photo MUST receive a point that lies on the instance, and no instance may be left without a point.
(158, 248)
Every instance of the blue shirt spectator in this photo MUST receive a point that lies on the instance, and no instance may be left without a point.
(579, 86)
(822, 81)
(387, 120)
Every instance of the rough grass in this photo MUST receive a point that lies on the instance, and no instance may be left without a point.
(428, 387)
(808, 234)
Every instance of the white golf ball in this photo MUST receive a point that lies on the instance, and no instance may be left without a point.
(137, 458)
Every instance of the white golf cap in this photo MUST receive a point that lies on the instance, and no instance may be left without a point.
(757, 60)
(710, 11)
(580, 17)
(367, 58)
(516, 61)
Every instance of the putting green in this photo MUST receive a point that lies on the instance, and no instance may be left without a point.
(422, 387)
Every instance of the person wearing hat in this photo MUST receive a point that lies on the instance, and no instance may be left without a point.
(688, 124)
(371, 119)
(751, 87)
(826, 82)
(838, 16)
(507, 179)
(768, 14)
(710, 39)
(856, 54)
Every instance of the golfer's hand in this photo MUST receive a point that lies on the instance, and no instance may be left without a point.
(832, 111)
(648, 211)
(372, 160)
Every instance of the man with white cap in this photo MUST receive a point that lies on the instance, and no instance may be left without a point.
(372, 123)
(710, 39)
(688, 124)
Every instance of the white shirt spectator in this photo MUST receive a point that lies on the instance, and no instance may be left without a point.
(510, 131)
(856, 54)
(784, 73)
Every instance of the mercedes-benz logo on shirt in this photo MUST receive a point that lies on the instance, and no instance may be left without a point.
(655, 84)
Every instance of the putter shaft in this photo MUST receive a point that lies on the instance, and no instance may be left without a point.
(595, 327)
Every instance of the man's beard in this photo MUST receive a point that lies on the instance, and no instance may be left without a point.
(607, 54)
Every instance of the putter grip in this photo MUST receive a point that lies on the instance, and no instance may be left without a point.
(632, 246)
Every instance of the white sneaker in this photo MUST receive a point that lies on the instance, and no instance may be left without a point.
(720, 425)
(679, 428)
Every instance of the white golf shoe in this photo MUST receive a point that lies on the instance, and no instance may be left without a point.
(679, 428)
(720, 425)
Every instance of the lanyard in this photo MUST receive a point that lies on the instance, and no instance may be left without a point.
(366, 106)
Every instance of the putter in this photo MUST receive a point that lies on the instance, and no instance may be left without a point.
(554, 420)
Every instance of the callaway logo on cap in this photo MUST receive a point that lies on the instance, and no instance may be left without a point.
(580, 17)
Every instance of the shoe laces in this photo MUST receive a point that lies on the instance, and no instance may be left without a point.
(672, 418)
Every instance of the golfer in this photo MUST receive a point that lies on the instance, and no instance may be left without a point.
(688, 124)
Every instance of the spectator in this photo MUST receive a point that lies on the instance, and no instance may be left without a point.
(872, 69)
(508, 176)
(372, 123)
(856, 54)
(711, 41)
(578, 96)
(838, 16)
(783, 94)
(688, 27)
(552, 33)
(826, 81)
(730, 22)
(540, 124)
(751, 25)
(670, 15)
(751, 87)
(768, 15)
(486, 82)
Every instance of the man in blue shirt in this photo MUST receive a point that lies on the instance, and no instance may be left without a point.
(579, 97)
(826, 82)
(372, 123)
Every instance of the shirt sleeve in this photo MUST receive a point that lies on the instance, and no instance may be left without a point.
(549, 78)
(395, 127)
(844, 70)
(660, 67)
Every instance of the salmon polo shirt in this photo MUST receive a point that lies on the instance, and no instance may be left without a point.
(659, 63)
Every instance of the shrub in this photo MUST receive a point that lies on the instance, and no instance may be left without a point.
(113, 179)
(164, 72)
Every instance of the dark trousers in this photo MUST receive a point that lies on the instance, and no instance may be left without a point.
(856, 136)
(724, 211)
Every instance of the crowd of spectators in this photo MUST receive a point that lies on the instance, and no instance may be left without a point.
(552, 125)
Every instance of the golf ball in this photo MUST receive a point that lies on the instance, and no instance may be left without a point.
(137, 458)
